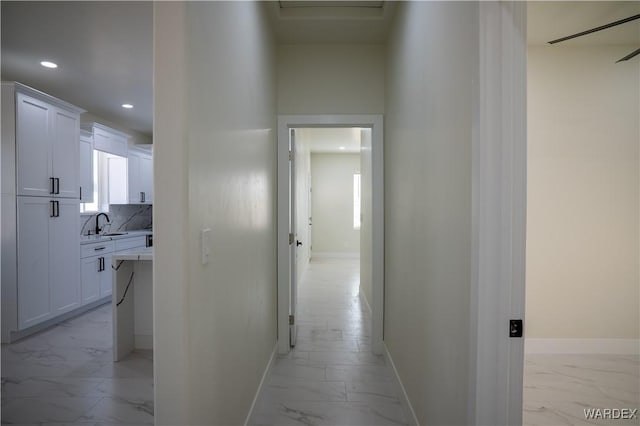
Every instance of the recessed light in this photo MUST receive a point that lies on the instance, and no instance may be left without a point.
(127, 106)
(49, 64)
(342, 148)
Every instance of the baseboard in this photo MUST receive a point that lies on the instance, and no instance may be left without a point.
(21, 334)
(264, 376)
(582, 346)
(335, 255)
(404, 398)
(366, 302)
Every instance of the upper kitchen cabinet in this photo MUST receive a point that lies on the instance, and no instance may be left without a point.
(140, 176)
(47, 132)
(131, 179)
(107, 139)
(86, 167)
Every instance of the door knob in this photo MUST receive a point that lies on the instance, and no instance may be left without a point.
(298, 243)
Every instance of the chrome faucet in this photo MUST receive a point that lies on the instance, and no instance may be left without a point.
(98, 229)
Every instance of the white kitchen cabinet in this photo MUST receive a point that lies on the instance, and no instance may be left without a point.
(48, 252)
(90, 277)
(96, 271)
(140, 177)
(33, 265)
(131, 178)
(107, 139)
(64, 250)
(86, 167)
(47, 147)
(146, 178)
(106, 277)
(40, 209)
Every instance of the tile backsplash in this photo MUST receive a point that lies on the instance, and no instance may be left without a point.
(124, 217)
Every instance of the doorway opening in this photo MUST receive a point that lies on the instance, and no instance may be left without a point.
(330, 210)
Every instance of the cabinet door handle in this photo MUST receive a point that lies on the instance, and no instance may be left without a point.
(141, 197)
(57, 180)
(52, 181)
(101, 264)
(57, 208)
(52, 212)
(99, 248)
(80, 193)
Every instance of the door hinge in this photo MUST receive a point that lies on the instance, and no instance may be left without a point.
(292, 320)
(515, 328)
(291, 239)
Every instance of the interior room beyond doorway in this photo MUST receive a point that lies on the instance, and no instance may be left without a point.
(330, 206)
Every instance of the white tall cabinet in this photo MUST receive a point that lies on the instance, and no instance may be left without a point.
(40, 183)
(47, 148)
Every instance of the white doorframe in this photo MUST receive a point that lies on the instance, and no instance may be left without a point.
(499, 172)
(285, 122)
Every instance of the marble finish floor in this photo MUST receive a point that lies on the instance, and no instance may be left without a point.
(66, 375)
(330, 377)
(558, 388)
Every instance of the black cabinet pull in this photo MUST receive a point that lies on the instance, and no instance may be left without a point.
(80, 193)
(52, 212)
(52, 181)
(99, 248)
(57, 208)
(141, 197)
(101, 267)
(57, 180)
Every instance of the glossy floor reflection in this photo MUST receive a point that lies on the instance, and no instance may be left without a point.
(331, 377)
(66, 375)
(558, 388)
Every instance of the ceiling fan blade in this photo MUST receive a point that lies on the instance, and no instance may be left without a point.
(596, 29)
(629, 56)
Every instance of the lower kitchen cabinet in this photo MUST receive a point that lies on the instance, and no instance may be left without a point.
(96, 271)
(48, 250)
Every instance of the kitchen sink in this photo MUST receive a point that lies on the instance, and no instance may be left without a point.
(113, 234)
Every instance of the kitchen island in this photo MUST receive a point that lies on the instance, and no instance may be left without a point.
(132, 300)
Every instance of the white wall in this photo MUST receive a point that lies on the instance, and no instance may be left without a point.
(366, 210)
(330, 79)
(332, 204)
(583, 186)
(214, 153)
(429, 103)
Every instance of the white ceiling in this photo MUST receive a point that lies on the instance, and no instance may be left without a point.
(549, 20)
(331, 21)
(104, 51)
(331, 140)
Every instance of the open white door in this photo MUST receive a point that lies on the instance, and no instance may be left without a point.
(293, 242)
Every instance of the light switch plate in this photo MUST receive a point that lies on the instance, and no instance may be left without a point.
(205, 236)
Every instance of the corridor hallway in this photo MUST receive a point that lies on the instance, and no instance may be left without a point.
(330, 377)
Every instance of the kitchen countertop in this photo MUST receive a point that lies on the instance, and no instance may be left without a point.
(139, 253)
(87, 239)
